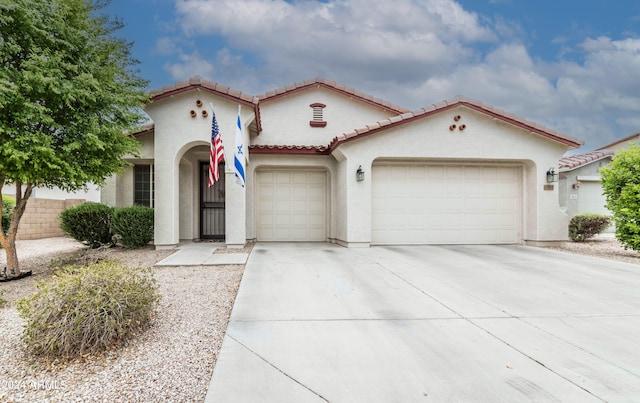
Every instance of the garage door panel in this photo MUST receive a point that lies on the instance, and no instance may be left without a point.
(418, 204)
(291, 205)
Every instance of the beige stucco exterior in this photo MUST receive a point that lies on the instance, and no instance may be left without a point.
(280, 137)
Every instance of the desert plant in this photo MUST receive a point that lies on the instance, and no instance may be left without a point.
(8, 203)
(86, 309)
(133, 225)
(89, 223)
(587, 225)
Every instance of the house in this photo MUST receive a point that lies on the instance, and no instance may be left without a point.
(580, 187)
(329, 163)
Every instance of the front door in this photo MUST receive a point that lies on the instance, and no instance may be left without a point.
(211, 204)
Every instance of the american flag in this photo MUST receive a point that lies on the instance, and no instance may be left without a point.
(216, 152)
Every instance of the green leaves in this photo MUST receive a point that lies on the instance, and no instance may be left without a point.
(621, 187)
(67, 93)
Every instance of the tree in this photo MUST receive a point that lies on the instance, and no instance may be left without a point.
(621, 187)
(69, 91)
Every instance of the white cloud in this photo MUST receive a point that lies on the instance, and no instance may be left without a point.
(190, 65)
(412, 53)
(370, 39)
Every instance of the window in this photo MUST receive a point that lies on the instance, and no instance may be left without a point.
(318, 115)
(143, 185)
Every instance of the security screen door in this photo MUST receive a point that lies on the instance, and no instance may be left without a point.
(211, 204)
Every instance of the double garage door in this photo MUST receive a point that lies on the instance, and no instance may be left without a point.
(446, 204)
(291, 205)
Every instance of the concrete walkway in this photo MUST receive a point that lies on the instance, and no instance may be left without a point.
(317, 322)
(201, 254)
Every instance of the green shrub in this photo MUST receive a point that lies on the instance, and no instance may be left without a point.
(89, 223)
(621, 188)
(84, 309)
(133, 225)
(8, 203)
(587, 225)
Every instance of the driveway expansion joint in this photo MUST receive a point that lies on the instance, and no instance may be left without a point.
(276, 368)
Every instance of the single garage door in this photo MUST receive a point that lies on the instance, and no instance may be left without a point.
(291, 205)
(446, 204)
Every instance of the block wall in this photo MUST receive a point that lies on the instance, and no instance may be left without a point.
(41, 218)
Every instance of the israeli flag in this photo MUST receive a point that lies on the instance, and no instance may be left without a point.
(238, 158)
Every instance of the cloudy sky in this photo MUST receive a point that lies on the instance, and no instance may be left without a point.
(572, 65)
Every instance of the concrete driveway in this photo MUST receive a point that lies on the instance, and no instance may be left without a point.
(318, 322)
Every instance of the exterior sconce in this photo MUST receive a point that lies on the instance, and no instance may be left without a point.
(552, 176)
(360, 174)
(576, 185)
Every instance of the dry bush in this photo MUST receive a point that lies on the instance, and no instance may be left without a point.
(84, 309)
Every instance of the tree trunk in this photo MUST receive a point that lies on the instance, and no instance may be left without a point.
(13, 267)
(9, 241)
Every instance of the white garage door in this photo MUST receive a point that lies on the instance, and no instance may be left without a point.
(446, 204)
(291, 205)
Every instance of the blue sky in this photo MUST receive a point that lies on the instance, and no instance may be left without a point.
(571, 65)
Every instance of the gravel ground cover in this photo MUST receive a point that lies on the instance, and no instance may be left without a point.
(172, 361)
(603, 246)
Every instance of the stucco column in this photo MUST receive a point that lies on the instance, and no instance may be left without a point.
(354, 202)
(166, 225)
(235, 212)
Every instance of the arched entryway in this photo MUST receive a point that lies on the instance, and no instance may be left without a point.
(201, 208)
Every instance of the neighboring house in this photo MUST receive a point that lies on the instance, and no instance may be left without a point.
(329, 163)
(580, 187)
(622, 143)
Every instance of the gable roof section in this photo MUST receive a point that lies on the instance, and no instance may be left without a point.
(209, 86)
(332, 86)
(450, 104)
(630, 138)
(578, 160)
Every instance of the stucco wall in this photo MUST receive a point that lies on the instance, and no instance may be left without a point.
(41, 218)
(285, 121)
(483, 140)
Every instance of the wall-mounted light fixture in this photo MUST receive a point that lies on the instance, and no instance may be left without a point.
(552, 176)
(360, 174)
(576, 185)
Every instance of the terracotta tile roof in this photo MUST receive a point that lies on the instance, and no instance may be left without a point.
(333, 86)
(450, 104)
(197, 82)
(146, 129)
(282, 149)
(575, 161)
